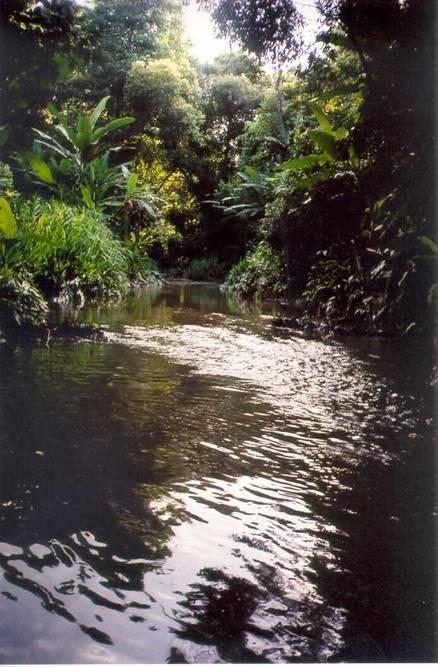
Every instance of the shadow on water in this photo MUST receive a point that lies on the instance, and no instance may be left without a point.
(197, 489)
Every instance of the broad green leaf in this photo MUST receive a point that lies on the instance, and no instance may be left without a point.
(84, 132)
(112, 126)
(325, 142)
(131, 184)
(8, 224)
(340, 133)
(322, 118)
(347, 89)
(304, 163)
(86, 195)
(41, 168)
(252, 173)
(50, 143)
(60, 151)
(312, 180)
(429, 243)
(66, 133)
(98, 111)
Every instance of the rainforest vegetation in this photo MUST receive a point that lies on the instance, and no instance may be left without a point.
(281, 169)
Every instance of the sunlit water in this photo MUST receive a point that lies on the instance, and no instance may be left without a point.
(200, 488)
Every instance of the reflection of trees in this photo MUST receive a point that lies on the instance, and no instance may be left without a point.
(249, 622)
(219, 612)
(77, 454)
(163, 305)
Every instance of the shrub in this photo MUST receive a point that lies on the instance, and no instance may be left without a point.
(208, 268)
(63, 245)
(261, 272)
(142, 269)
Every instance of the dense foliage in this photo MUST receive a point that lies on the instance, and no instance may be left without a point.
(312, 177)
(343, 165)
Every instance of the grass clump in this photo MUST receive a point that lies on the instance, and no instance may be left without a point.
(260, 273)
(59, 244)
(65, 254)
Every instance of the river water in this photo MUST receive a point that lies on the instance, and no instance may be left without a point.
(198, 487)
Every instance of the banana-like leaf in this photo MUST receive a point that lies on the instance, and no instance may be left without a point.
(325, 142)
(322, 118)
(131, 184)
(53, 145)
(84, 132)
(96, 114)
(347, 89)
(62, 129)
(112, 126)
(86, 196)
(340, 133)
(429, 243)
(313, 179)
(303, 163)
(40, 168)
(8, 224)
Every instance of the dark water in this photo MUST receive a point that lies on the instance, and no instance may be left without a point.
(197, 488)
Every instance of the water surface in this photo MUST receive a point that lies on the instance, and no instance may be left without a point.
(200, 488)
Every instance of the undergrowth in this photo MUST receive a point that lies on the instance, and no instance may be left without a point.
(66, 254)
(260, 273)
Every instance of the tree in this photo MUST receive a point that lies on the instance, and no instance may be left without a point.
(117, 32)
(236, 63)
(37, 41)
(231, 102)
(268, 28)
(164, 96)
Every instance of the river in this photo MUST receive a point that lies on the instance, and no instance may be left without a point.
(199, 487)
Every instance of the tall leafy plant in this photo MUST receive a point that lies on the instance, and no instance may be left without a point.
(333, 146)
(75, 163)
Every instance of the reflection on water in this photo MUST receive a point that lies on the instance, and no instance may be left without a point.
(198, 489)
